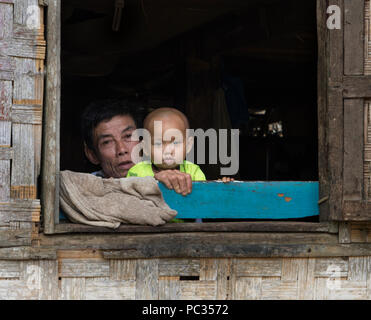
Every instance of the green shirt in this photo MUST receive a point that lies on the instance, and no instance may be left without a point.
(144, 169)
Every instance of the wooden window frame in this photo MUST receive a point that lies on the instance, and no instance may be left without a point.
(51, 152)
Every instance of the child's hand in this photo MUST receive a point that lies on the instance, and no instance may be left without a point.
(226, 179)
(175, 180)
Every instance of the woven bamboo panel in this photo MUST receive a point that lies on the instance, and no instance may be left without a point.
(22, 55)
(85, 275)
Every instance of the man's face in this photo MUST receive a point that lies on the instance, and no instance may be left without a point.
(113, 145)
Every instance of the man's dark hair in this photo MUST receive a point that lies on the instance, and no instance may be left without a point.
(105, 110)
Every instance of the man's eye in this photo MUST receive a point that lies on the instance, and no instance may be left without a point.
(106, 142)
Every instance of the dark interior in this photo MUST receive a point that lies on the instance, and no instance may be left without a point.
(182, 53)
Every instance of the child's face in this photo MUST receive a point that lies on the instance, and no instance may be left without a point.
(168, 150)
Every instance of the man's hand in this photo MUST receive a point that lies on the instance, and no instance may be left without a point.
(175, 180)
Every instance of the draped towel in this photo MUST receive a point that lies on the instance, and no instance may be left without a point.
(96, 201)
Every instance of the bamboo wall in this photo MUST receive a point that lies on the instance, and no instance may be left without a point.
(85, 274)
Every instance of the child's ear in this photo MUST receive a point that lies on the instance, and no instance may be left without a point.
(189, 144)
(90, 154)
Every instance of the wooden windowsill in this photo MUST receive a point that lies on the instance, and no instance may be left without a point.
(241, 226)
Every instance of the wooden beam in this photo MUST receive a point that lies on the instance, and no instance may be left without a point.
(181, 243)
(27, 253)
(335, 125)
(50, 175)
(247, 251)
(323, 170)
(261, 226)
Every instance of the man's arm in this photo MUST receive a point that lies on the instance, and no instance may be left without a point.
(175, 180)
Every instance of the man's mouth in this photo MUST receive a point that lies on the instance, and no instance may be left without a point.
(125, 165)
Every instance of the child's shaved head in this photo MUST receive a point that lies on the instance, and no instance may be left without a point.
(163, 114)
(169, 143)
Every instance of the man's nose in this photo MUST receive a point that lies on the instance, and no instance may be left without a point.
(121, 148)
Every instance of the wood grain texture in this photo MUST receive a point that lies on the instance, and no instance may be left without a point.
(261, 226)
(5, 100)
(323, 173)
(50, 174)
(6, 21)
(353, 149)
(354, 20)
(146, 284)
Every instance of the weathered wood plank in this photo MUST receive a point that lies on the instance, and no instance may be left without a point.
(353, 37)
(224, 279)
(335, 55)
(197, 290)
(357, 210)
(146, 284)
(261, 226)
(348, 290)
(6, 153)
(248, 288)
(17, 290)
(4, 179)
(50, 174)
(179, 241)
(357, 86)
(123, 269)
(331, 267)
(15, 238)
(358, 269)
(291, 268)
(23, 48)
(72, 289)
(306, 280)
(179, 267)
(75, 268)
(258, 267)
(5, 100)
(102, 289)
(7, 67)
(26, 210)
(278, 290)
(360, 232)
(5, 133)
(9, 269)
(250, 250)
(344, 232)
(6, 21)
(23, 179)
(208, 269)
(353, 149)
(27, 115)
(335, 152)
(27, 253)
(169, 288)
(48, 280)
(28, 82)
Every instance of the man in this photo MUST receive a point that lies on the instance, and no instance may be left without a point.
(107, 128)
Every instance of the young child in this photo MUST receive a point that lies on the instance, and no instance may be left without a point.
(170, 152)
(167, 153)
